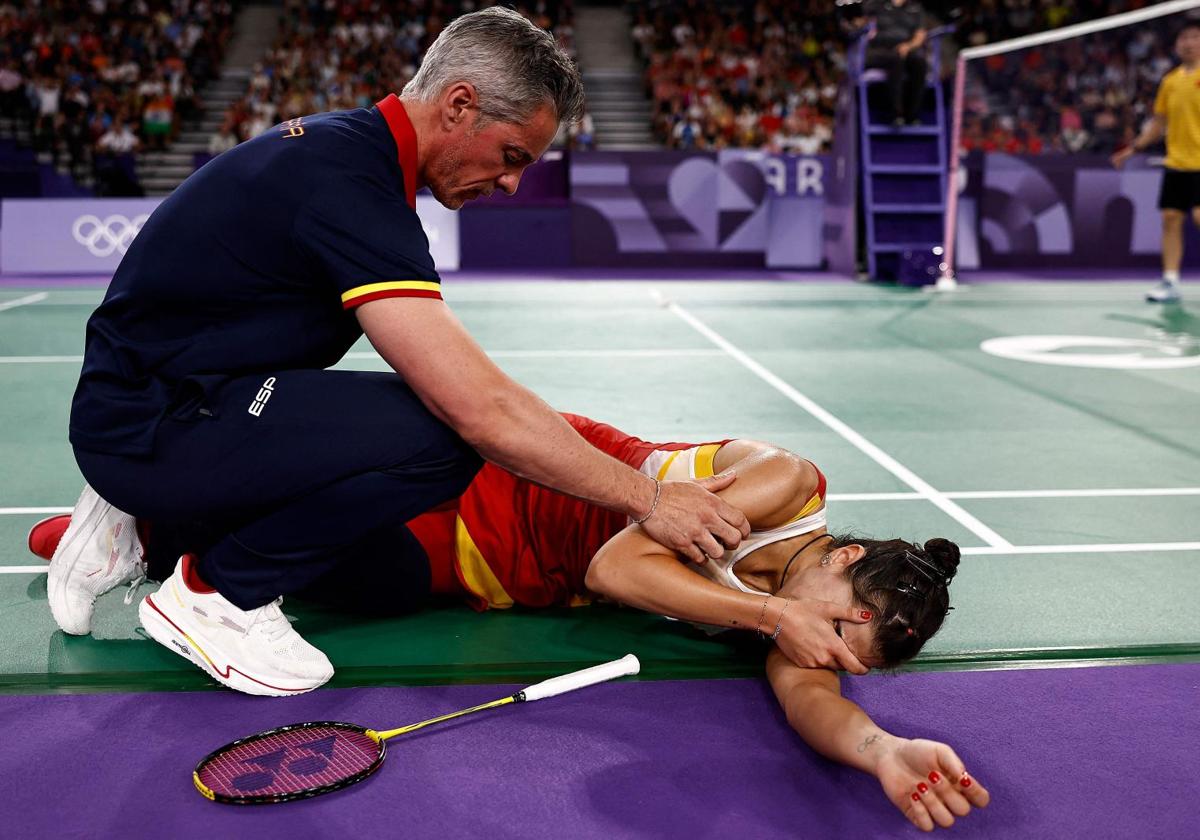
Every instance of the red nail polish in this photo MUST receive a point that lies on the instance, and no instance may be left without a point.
(965, 782)
(921, 788)
(866, 616)
(934, 777)
(916, 797)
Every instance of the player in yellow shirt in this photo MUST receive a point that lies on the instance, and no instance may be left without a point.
(1177, 117)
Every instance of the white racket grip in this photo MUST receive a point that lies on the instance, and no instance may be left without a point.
(626, 666)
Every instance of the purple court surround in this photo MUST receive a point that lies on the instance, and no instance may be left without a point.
(1066, 753)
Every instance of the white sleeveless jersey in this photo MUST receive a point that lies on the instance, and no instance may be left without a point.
(720, 569)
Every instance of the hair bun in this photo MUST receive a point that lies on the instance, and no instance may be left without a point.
(945, 553)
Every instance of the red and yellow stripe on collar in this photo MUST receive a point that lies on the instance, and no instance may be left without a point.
(398, 288)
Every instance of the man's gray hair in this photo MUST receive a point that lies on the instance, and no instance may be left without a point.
(514, 65)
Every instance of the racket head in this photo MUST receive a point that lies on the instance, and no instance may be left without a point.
(292, 762)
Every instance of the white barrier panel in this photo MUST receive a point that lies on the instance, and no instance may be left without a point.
(441, 229)
(90, 235)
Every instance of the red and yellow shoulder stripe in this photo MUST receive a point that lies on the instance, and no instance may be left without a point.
(397, 288)
(814, 503)
(702, 460)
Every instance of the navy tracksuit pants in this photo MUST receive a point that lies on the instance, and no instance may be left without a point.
(296, 481)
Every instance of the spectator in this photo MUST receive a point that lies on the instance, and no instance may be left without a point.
(800, 135)
(12, 90)
(46, 94)
(582, 135)
(224, 139)
(116, 167)
(158, 119)
(75, 132)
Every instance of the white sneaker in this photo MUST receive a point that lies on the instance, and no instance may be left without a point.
(254, 651)
(1164, 292)
(99, 550)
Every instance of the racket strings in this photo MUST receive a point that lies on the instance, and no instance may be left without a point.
(290, 761)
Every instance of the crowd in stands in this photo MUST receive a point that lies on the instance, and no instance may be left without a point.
(751, 74)
(764, 73)
(93, 81)
(1084, 94)
(331, 56)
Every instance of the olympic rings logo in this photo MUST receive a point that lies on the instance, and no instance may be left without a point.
(105, 237)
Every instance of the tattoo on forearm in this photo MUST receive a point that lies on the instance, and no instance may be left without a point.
(867, 743)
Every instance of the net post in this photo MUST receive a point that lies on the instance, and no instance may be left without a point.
(947, 281)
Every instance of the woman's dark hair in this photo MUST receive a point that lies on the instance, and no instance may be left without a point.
(905, 585)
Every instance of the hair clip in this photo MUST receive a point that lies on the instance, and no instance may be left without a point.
(915, 588)
(929, 570)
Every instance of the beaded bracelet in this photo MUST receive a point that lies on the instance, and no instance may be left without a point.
(761, 616)
(654, 504)
(779, 623)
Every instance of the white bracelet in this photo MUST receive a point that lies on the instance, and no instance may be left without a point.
(653, 505)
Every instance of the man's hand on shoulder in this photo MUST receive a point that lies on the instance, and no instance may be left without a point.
(690, 519)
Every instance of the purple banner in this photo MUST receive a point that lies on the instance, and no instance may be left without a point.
(91, 235)
(69, 236)
(1060, 211)
(544, 183)
(734, 208)
(701, 209)
(514, 238)
(841, 186)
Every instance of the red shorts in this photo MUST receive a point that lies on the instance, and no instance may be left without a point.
(508, 541)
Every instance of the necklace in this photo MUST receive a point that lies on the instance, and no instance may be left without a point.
(788, 565)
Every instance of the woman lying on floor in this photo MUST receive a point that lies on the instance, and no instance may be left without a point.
(510, 542)
(507, 541)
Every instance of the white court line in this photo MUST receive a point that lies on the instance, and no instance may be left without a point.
(1101, 548)
(1075, 494)
(874, 497)
(650, 353)
(20, 511)
(852, 437)
(633, 353)
(1114, 492)
(34, 360)
(24, 570)
(23, 301)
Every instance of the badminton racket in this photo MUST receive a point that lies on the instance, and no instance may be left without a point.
(303, 760)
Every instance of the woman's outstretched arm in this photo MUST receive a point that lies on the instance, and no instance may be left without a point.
(925, 780)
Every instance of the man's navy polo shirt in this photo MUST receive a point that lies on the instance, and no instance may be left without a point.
(254, 265)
